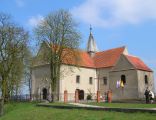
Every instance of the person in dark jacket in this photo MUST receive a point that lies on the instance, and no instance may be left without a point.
(147, 95)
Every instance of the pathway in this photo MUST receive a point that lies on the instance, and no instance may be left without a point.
(92, 107)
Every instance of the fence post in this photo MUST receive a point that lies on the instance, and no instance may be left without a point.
(76, 96)
(65, 96)
(109, 96)
(98, 96)
(1, 106)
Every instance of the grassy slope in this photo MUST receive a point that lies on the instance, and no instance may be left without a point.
(28, 111)
(124, 105)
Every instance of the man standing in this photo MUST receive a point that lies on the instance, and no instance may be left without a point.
(147, 95)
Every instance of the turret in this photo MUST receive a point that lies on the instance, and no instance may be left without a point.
(91, 46)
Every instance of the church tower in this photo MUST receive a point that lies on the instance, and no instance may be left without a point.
(91, 46)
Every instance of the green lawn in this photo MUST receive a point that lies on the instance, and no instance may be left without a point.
(29, 111)
(124, 105)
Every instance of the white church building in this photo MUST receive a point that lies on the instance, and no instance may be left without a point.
(127, 76)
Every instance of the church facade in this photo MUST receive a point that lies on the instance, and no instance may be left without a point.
(127, 76)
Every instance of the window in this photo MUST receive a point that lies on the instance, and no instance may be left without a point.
(77, 79)
(146, 79)
(105, 80)
(90, 80)
(123, 79)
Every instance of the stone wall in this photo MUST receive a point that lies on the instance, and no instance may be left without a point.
(101, 73)
(141, 82)
(40, 79)
(130, 90)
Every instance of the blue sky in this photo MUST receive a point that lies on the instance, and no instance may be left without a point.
(115, 23)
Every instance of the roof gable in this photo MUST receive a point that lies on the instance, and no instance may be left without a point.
(138, 63)
(122, 64)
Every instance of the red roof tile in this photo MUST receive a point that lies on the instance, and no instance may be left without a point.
(107, 58)
(79, 58)
(102, 59)
(138, 63)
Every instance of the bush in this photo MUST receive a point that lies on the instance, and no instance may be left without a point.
(89, 97)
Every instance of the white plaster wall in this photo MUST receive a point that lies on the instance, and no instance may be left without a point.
(68, 79)
(41, 79)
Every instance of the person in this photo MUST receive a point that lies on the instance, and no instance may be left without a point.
(147, 95)
(151, 96)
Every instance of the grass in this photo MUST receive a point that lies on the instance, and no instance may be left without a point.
(124, 105)
(29, 111)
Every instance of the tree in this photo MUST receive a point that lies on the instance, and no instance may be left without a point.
(27, 71)
(13, 45)
(59, 31)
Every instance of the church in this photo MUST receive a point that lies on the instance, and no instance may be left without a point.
(127, 76)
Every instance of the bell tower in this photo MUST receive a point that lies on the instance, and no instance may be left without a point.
(91, 45)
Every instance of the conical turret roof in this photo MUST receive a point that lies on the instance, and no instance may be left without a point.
(91, 46)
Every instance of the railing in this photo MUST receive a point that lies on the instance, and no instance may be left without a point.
(87, 97)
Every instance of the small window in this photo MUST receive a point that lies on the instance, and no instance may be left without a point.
(123, 79)
(146, 79)
(105, 80)
(77, 79)
(90, 80)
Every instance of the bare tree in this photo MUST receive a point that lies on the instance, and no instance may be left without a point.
(27, 71)
(59, 31)
(13, 44)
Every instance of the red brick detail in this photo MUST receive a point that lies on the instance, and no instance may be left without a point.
(76, 96)
(65, 96)
(109, 96)
(98, 96)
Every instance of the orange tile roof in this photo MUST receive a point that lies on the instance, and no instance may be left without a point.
(86, 60)
(107, 58)
(102, 59)
(138, 63)
(79, 58)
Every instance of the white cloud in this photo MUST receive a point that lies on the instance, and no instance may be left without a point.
(106, 13)
(20, 3)
(35, 20)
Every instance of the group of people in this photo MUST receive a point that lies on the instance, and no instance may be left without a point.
(149, 96)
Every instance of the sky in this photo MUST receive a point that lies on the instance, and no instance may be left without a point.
(115, 23)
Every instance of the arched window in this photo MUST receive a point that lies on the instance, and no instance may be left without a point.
(146, 79)
(123, 79)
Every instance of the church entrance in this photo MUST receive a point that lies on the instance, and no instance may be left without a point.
(44, 93)
(81, 94)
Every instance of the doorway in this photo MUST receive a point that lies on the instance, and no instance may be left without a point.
(44, 93)
(81, 94)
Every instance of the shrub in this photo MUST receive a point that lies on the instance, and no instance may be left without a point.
(89, 97)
